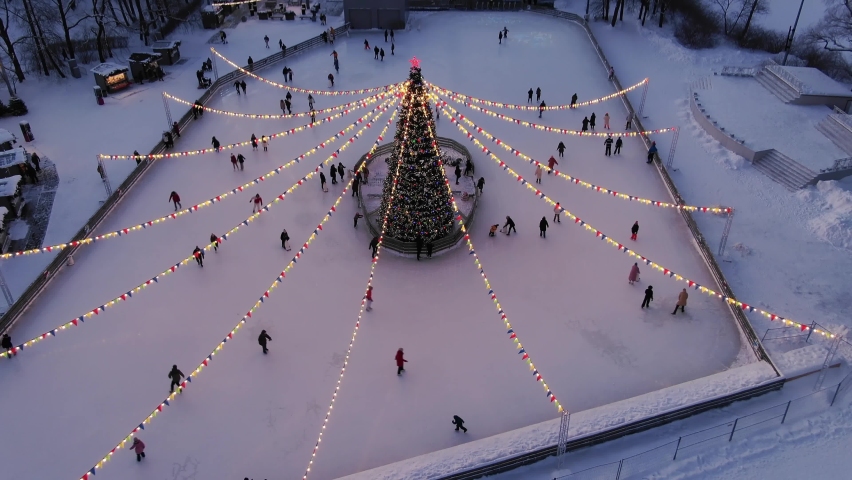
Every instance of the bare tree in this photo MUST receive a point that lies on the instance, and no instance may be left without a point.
(834, 31)
(755, 7)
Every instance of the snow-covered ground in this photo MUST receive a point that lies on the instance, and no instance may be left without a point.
(742, 106)
(258, 416)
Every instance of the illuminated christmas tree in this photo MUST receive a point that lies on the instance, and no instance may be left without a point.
(421, 204)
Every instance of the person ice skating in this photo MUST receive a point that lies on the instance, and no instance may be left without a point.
(215, 144)
(429, 247)
(629, 120)
(509, 226)
(199, 108)
(285, 71)
(468, 168)
(250, 64)
(262, 339)
(366, 44)
(458, 173)
(459, 423)
(198, 253)
(234, 162)
(7, 345)
(253, 141)
(480, 184)
(374, 246)
(382, 54)
(176, 129)
(557, 211)
(500, 38)
(634, 274)
(242, 160)
(400, 362)
(290, 74)
(175, 375)
(393, 47)
(282, 107)
(618, 143)
(333, 173)
(537, 94)
(585, 124)
(493, 230)
(376, 52)
(651, 152)
(419, 243)
(649, 296)
(310, 102)
(138, 447)
(237, 86)
(264, 140)
(340, 170)
(611, 74)
(573, 100)
(285, 237)
(175, 198)
(551, 162)
(356, 184)
(136, 156)
(529, 95)
(331, 79)
(561, 149)
(681, 301)
(355, 220)
(280, 44)
(592, 121)
(541, 108)
(369, 298)
(505, 32)
(391, 35)
(608, 146)
(538, 174)
(634, 230)
(336, 66)
(365, 173)
(258, 203)
(386, 36)
(288, 106)
(170, 139)
(606, 120)
(215, 241)
(542, 227)
(223, 36)
(266, 40)
(322, 182)
(243, 85)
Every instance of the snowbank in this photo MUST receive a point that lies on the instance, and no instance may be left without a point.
(545, 434)
(800, 361)
(9, 185)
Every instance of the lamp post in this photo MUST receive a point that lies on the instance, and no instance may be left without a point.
(790, 34)
(587, 9)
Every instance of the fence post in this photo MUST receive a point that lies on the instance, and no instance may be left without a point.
(833, 398)
(733, 429)
(785, 412)
(618, 473)
(724, 241)
(677, 447)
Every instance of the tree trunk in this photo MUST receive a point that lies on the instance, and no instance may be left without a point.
(128, 5)
(748, 20)
(114, 16)
(47, 51)
(618, 3)
(605, 9)
(662, 13)
(621, 14)
(34, 32)
(647, 7)
(69, 45)
(10, 48)
(143, 25)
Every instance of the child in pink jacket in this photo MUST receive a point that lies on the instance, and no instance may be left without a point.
(138, 447)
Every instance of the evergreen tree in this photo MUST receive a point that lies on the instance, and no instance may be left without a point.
(4, 110)
(421, 205)
(17, 107)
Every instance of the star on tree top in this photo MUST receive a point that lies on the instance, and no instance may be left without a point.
(415, 62)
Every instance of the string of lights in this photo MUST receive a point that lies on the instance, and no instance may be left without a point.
(129, 294)
(510, 332)
(332, 93)
(262, 116)
(489, 103)
(621, 247)
(204, 363)
(561, 131)
(360, 314)
(218, 198)
(455, 116)
(246, 143)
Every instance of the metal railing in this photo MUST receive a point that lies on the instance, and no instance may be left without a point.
(703, 248)
(789, 79)
(659, 457)
(37, 286)
(739, 71)
(427, 5)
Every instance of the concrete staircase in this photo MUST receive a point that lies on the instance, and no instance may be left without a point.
(783, 169)
(777, 85)
(837, 131)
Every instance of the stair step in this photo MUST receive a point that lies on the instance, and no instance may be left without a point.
(784, 170)
(837, 133)
(779, 178)
(776, 86)
(790, 165)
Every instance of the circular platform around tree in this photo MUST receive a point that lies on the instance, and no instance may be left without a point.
(371, 195)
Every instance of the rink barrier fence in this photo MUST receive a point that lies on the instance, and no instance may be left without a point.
(17, 309)
(705, 251)
(410, 248)
(439, 5)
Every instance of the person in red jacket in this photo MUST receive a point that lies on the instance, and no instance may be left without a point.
(138, 448)
(551, 163)
(258, 203)
(369, 298)
(175, 198)
(400, 362)
(234, 161)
